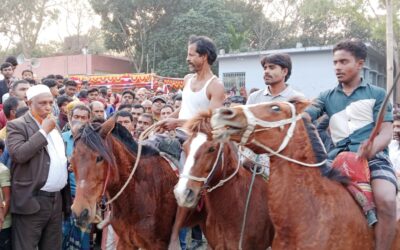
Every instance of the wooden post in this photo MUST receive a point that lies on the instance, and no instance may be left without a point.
(389, 46)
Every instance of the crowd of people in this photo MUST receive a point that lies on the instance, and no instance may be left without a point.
(36, 138)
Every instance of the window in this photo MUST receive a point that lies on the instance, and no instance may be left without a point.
(234, 79)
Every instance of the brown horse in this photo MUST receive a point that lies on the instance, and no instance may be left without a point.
(144, 214)
(308, 210)
(224, 206)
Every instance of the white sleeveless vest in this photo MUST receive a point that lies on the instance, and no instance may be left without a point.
(193, 102)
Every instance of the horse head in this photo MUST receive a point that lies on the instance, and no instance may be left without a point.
(92, 162)
(202, 157)
(269, 123)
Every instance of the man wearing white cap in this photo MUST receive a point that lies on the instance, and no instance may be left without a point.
(39, 175)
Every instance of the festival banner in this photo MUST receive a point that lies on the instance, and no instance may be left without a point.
(119, 82)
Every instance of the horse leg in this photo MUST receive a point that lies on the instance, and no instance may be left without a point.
(180, 218)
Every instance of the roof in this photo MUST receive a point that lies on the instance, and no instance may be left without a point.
(371, 50)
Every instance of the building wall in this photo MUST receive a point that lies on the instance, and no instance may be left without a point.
(312, 71)
(111, 65)
(77, 64)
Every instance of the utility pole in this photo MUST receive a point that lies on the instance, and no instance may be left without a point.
(389, 46)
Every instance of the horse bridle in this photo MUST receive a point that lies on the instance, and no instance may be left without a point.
(253, 121)
(215, 167)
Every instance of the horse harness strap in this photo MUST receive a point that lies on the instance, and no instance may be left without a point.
(253, 121)
(206, 179)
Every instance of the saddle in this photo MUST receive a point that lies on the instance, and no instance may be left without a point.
(356, 168)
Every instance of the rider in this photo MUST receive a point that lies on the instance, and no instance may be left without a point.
(277, 70)
(202, 90)
(352, 107)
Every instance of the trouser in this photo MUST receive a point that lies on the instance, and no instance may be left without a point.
(5, 239)
(41, 230)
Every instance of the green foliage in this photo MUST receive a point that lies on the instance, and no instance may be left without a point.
(24, 19)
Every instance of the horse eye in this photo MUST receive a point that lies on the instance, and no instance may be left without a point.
(211, 149)
(275, 108)
(99, 159)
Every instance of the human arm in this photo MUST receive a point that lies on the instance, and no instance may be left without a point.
(22, 149)
(317, 107)
(216, 94)
(381, 141)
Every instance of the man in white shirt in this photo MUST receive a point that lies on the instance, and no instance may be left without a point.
(39, 175)
(394, 146)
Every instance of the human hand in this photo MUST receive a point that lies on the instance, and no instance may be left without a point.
(365, 150)
(48, 124)
(167, 125)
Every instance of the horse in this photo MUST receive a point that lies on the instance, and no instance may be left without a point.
(212, 180)
(144, 213)
(309, 206)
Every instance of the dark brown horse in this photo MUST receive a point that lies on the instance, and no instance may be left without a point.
(308, 210)
(144, 214)
(224, 206)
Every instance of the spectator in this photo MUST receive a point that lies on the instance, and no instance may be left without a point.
(59, 80)
(93, 94)
(27, 74)
(127, 97)
(97, 109)
(19, 89)
(62, 102)
(141, 95)
(166, 111)
(52, 84)
(158, 103)
(137, 110)
(10, 107)
(7, 71)
(125, 119)
(144, 121)
(81, 238)
(83, 96)
(147, 106)
(13, 61)
(37, 204)
(104, 93)
(71, 87)
(5, 196)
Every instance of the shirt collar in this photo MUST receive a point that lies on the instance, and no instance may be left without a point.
(284, 93)
(361, 85)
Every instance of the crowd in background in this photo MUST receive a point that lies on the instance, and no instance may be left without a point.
(134, 108)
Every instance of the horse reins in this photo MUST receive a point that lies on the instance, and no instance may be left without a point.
(207, 179)
(253, 121)
(142, 136)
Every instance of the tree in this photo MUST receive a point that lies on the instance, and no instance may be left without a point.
(24, 19)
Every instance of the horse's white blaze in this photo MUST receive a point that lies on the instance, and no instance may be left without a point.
(197, 142)
(82, 183)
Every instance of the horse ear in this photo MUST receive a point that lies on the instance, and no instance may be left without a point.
(107, 127)
(300, 103)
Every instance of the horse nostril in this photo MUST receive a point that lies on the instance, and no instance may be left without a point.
(189, 195)
(84, 216)
(227, 113)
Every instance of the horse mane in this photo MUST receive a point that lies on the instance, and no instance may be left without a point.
(123, 135)
(200, 123)
(91, 138)
(321, 155)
